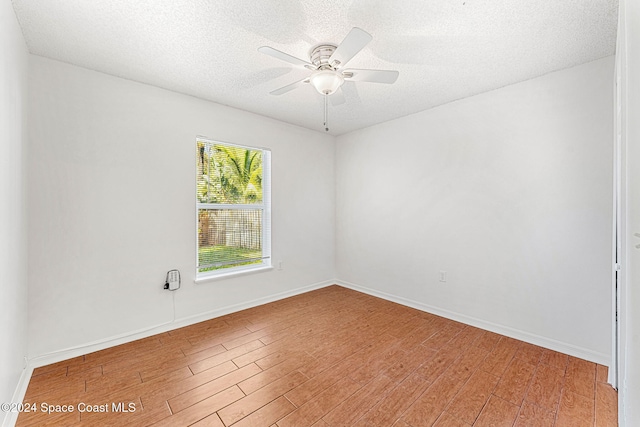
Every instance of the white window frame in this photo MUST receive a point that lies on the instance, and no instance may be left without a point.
(265, 206)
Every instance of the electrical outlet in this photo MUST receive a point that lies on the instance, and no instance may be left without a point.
(443, 276)
(280, 265)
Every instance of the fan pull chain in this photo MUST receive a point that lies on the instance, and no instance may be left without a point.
(326, 112)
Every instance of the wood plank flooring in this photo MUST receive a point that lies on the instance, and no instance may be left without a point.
(331, 357)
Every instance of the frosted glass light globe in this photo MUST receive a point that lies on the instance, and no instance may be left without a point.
(326, 82)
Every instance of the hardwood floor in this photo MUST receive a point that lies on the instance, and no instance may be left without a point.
(331, 357)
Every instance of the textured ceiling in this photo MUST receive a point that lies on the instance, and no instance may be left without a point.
(444, 49)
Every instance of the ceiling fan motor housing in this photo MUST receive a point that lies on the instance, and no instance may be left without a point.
(320, 55)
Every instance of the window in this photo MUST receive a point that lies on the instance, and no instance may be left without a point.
(233, 205)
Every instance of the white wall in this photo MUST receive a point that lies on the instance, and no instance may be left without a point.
(13, 232)
(112, 206)
(509, 192)
(628, 63)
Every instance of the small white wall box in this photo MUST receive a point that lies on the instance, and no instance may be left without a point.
(173, 280)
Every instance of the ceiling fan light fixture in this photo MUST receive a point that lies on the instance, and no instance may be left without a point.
(326, 82)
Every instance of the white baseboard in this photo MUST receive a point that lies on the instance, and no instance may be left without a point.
(69, 353)
(562, 347)
(10, 418)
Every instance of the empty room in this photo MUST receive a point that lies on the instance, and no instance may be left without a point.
(310, 213)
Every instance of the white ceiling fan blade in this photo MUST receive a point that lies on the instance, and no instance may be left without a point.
(375, 76)
(285, 57)
(289, 87)
(350, 46)
(337, 98)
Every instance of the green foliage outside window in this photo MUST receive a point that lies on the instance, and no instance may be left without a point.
(228, 174)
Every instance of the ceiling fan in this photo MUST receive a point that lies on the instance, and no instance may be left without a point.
(327, 62)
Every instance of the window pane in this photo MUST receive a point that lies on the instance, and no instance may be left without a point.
(229, 238)
(228, 174)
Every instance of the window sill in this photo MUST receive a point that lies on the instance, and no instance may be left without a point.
(206, 279)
